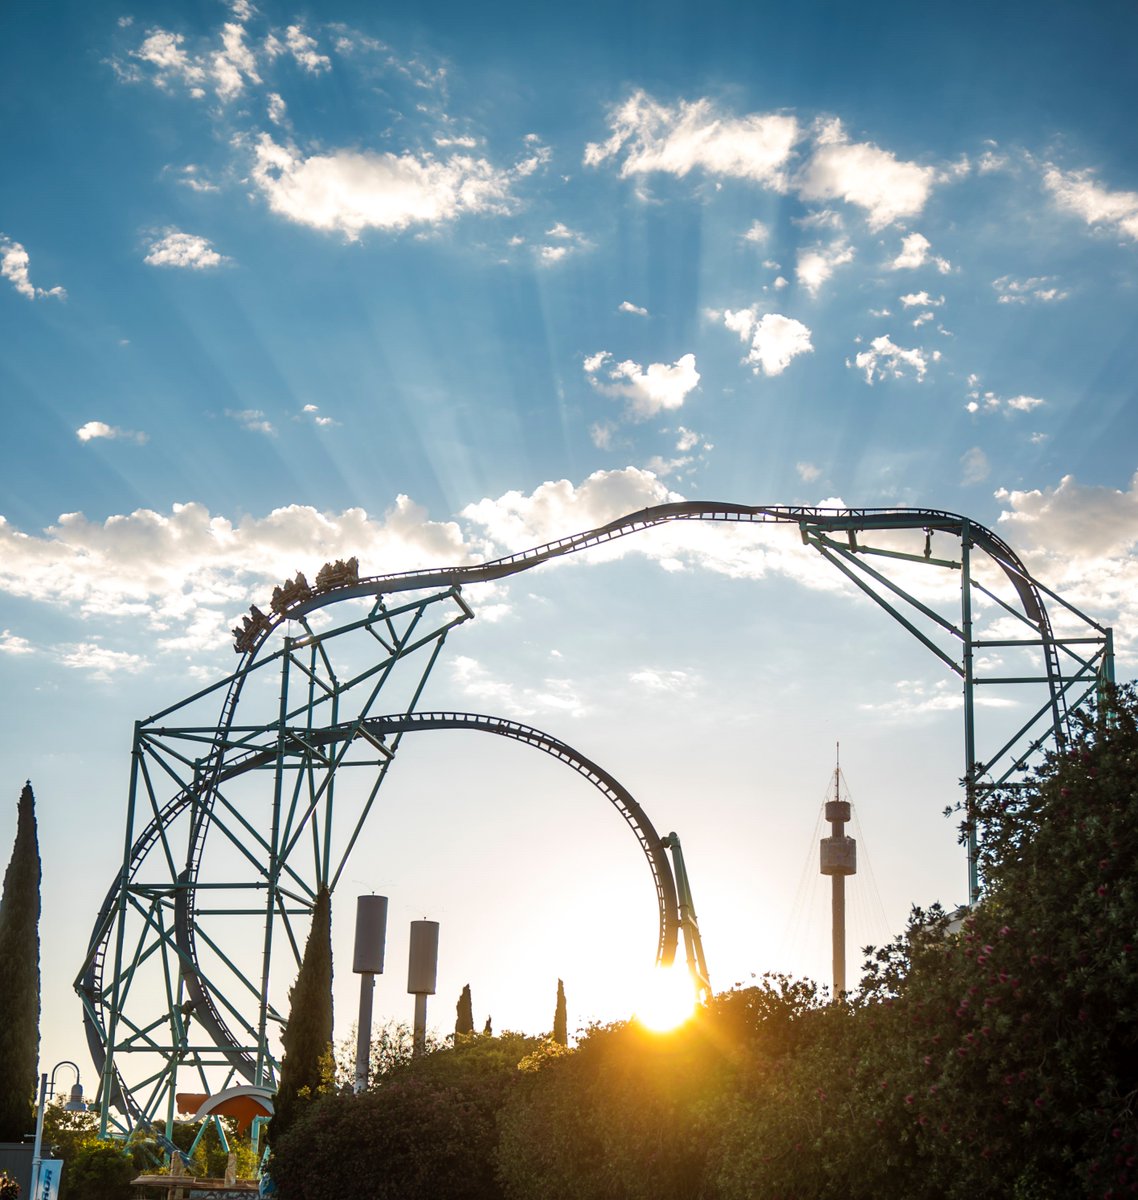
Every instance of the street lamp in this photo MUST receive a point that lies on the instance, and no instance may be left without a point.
(74, 1104)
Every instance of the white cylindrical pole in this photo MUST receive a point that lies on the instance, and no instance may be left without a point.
(367, 962)
(37, 1149)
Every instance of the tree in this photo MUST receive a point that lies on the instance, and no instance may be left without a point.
(560, 1019)
(464, 1014)
(20, 963)
(307, 1069)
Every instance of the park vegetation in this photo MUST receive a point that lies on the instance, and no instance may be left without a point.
(993, 1056)
(20, 964)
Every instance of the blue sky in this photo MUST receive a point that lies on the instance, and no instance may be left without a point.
(281, 285)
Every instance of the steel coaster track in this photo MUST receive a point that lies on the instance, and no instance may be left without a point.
(215, 768)
(207, 1014)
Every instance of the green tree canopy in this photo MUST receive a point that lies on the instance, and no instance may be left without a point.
(20, 964)
(464, 1014)
(307, 1069)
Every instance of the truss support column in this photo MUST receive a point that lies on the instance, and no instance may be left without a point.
(108, 1084)
(970, 764)
(273, 868)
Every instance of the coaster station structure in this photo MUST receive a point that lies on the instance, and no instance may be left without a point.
(250, 794)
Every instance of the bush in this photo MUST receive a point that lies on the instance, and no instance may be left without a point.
(428, 1130)
(101, 1171)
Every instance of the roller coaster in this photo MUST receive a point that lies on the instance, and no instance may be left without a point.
(251, 793)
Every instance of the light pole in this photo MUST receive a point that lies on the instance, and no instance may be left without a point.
(74, 1104)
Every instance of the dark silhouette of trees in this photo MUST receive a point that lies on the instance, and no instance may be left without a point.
(307, 1069)
(560, 1018)
(20, 967)
(464, 1014)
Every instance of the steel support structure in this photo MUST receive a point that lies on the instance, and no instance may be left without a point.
(250, 794)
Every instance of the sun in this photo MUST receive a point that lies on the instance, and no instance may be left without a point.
(667, 999)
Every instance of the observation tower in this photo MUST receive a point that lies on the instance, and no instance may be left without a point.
(838, 859)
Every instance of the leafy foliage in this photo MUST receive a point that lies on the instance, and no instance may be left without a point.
(307, 1069)
(429, 1129)
(101, 1171)
(20, 995)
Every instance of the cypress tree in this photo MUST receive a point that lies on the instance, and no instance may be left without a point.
(464, 1014)
(20, 962)
(307, 1067)
(560, 1019)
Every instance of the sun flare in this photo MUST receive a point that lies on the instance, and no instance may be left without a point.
(667, 999)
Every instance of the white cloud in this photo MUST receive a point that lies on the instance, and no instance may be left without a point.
(758, 233)
(601, 434)
(1043, 288)
(1073, 520)
(663, 467)
(825, 218)
(278, 110)
(863, 174)
(11, 644)
(921, 300)
(975, 467)
(816, 265)
(188, 250)
(679, 139)
(99, 660)
(350, 191)
(780, 282)
(554, 695)
(190, 176)
(164, 51)
(1078, 193)
(252, 419)
(14, 264)
(566, 241)
(915, 253)
(686, 439)
(515, 521)
(917, 698)
(646, 390)
(234, 63)
(807, 471)
(186, 573)
(885, 360)
(1082, 541)
(304, 50)
(1025, 403)
(312, 411)
(100, 429)
(657, 679)
(556, 509)
(990, 402)
(626, 306)
(774, 339)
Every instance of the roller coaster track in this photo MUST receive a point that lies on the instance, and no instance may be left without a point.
(228, 756)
